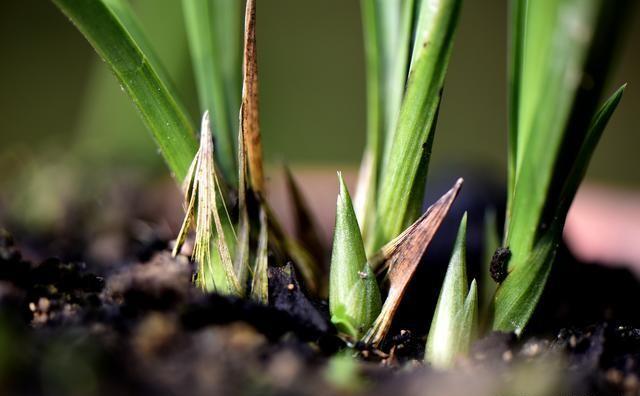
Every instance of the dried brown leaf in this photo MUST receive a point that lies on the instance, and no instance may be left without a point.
(402, 255)
(249, 108)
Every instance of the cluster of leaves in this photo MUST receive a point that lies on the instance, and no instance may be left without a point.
(224, 185)
(408, 44)
(560, 51)
(559, 58)
(560, 54)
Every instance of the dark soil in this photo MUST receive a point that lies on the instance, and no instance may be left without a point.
(133, 323)
(144, 329)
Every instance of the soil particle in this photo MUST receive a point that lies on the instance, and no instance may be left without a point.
(286, 295)
(160, 284)
(499, 264)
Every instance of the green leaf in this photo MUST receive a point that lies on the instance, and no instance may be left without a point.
(561, 53)
(468, 320)
(111, 29)
(517, 10)
(214, 33)
(518, 296)
(552, 62)
(455, 317)
(416, 197)
(437, 20)
(387, 27)
(354, 297)
(580, 164)
(488, 286)
(563, 65)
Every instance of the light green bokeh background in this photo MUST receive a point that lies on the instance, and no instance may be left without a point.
(58, 100)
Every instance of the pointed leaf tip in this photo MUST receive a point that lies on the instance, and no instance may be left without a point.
(354, 296)
(455, 317)
(469, 319)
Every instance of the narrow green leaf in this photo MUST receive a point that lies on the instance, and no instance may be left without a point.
(554, 53)
(517, 9)
(387, 32)
(565, 57)
(416, 197)
(354, 297)
(562, 50)
(468, 320)
(214, 35)
(411, 141)
(126, 16)
(368, 175)
(213, 273)
(104, 27)
(517, 297)
(260, 285)
(598, 123)
(487, 285)
(443, 344)
(396, 28)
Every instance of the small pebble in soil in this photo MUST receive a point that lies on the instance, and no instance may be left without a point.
(499, 261)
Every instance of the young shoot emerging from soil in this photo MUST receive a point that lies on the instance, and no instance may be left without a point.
(354, 295)
(455, 319)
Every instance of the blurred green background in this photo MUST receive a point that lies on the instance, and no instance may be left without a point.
(64, 117)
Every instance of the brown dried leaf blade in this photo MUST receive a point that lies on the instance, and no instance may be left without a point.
(249, 109)
(402, 256)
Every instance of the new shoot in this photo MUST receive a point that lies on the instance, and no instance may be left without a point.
(454, 323)
(354, 296)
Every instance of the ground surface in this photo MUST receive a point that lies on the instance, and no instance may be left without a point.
(142, 328)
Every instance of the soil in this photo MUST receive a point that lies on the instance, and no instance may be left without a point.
(141, 327)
